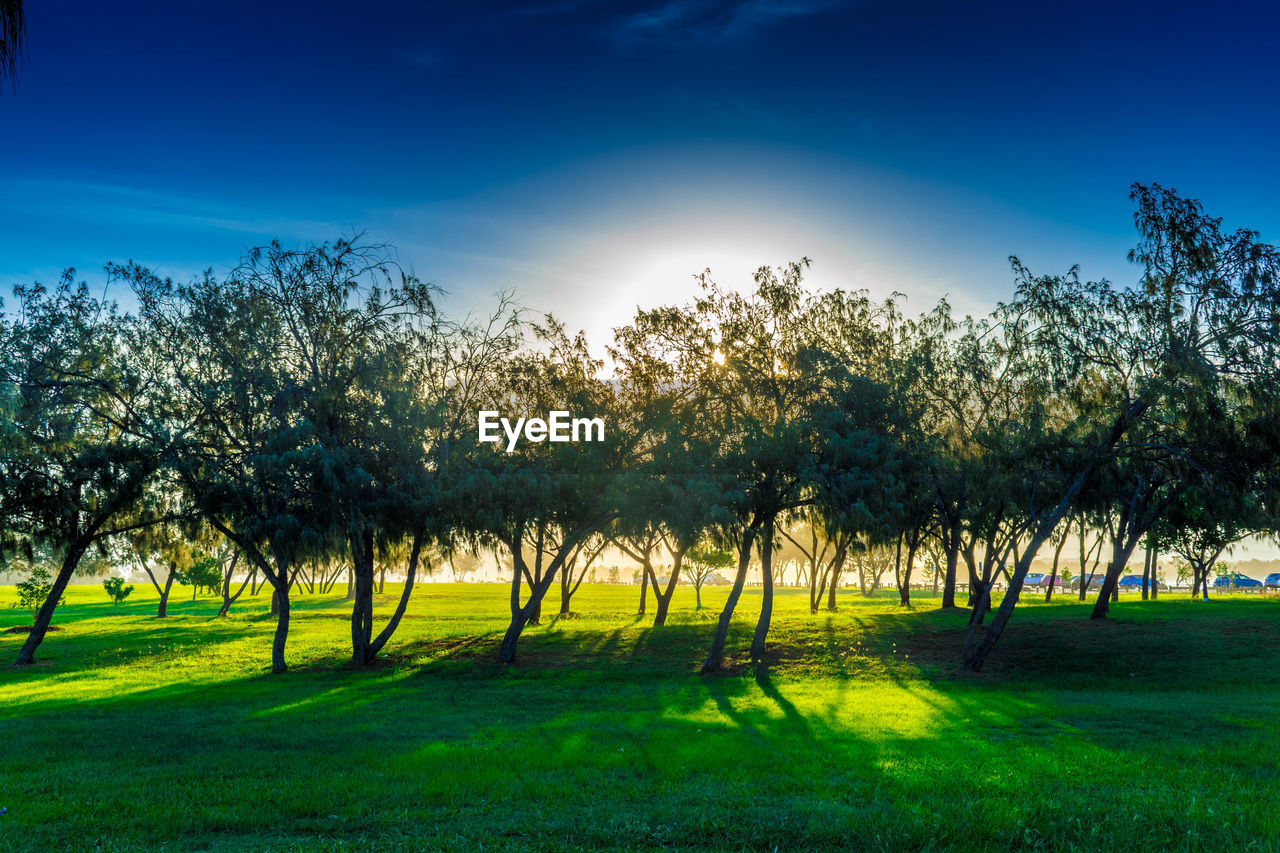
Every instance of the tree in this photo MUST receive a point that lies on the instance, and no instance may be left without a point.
(13, 35)
(228, 557)
(174, 544)
(80, 439)
(116, 589)
(777, 382)
(1202, 312)
(241, 454)
(825, 556)
(703, 561)
(34, 591)
(204, 573)
(551, 497)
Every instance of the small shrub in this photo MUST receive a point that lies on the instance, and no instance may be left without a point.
(116, 588)
(33, 591)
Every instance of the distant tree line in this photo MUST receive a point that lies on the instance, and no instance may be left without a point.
(314, 413)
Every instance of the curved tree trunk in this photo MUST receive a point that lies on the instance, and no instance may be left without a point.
(952, 547)
(975, 657)
(522, 616)
(161, 612)
(644, 589)
(904, 590)
(390, 628)
(837, 568)
(715, 657)
(44, 616)
(362, 608)
(278, 665)
(766, 604)
(280, 598)
(227, 598)
(664, 596)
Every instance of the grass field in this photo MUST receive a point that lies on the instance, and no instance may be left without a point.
(1156, 730)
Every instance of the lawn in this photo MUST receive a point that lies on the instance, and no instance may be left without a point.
(1156, 730)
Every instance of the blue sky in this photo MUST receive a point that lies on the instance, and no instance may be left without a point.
(595, 155)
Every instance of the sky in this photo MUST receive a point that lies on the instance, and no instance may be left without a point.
(594, 156)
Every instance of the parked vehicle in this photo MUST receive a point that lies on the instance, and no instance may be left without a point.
(1094, 585)
(1130, 582)
(1236, 581)
(1041, 580)
(1272, 581)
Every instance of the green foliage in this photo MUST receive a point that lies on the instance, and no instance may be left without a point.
(116, 589)
(315, 406)
(33, 591)
(711, 557)
(204, 573)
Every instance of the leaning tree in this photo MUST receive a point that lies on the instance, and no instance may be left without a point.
(80, 438)
(1204, 309)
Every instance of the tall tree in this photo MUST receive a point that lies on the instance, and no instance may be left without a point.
(13, 37)
(553, 496)
(1205, 306)
(79, 440)
(246, 454)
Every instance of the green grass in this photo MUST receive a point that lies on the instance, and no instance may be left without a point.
(1157, 730)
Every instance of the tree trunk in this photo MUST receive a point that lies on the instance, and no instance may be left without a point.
(766, 604)
(904, 590)
(1057, 553)
(280, 599)
(974, 658)
(975, 581)
(362, 607)
(664, 596)
(565, 597)
(1110, 582)
(164, 594)
(1146, 575)
(44, 616)
(952, 547)
(815, 594)
(715, 657)
(278, 666)
(897, 568)
(390, 628)
(227, 598)
(522, 616)
(837, 566)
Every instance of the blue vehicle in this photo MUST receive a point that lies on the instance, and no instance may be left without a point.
(1133, 583)
(1272, 581)
(1236, 581)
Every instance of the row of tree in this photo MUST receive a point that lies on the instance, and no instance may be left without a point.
(315, 407)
